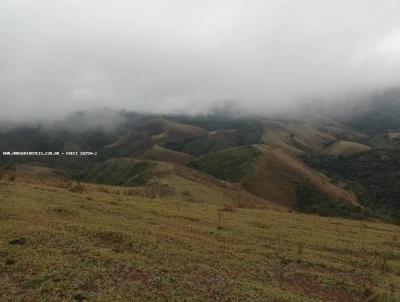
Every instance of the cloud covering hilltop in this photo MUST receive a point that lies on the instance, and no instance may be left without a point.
(186, 56)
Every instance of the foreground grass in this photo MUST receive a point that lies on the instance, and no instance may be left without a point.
(56, 245)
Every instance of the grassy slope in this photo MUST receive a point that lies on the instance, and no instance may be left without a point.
(121, 172)
(189, 184)
(278, 175)
(220, 139)
(268, 173)
(345, 147)
(229, 164)
(173, 131)
(107, 247)
(158, 153)
(194, 186)
(295, 137)
(394, 135)
(311, 135)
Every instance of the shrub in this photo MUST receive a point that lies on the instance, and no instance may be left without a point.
(228, 208)
(78, 188)
(155, 187)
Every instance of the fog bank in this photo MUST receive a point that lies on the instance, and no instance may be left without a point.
(173, 56)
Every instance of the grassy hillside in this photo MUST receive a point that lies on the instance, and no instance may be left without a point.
(187, 184)
(220, 139)
(56, 245)
(158, 153)
(271, 174)
(307, 135)
(122, 172)
(345, 147)
(278, 176)
(170, 131)
(296, 137)
(230, 164)
(211, 122)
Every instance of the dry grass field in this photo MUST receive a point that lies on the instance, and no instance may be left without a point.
(104, 244)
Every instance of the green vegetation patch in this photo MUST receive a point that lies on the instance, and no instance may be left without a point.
(120, 172)
(373, 175)
(230, 164)
(311, 201)
(219, 140)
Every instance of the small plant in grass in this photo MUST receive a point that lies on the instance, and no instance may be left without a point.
(395, 240)
(219, 219)
(186, 193)
(384, 263)
(130, 192)
(242, 204)
(228, 208)
(77, 188)
(392, 289)
(300, 248)
(155, 188)
(103, 189)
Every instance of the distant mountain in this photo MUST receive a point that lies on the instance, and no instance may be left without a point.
(343, 166)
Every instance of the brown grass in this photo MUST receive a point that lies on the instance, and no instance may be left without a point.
(278, 175)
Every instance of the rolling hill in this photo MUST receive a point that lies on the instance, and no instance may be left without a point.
(262, 157)
(269, 173)
(278, 176)
(185, 182)
(345, 148)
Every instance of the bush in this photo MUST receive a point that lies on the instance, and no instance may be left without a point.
(77, 188)
(155, 187)
(228, 208)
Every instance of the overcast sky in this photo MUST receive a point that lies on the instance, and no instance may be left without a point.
(170, 55)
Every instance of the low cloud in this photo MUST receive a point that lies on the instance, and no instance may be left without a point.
(187, 56)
